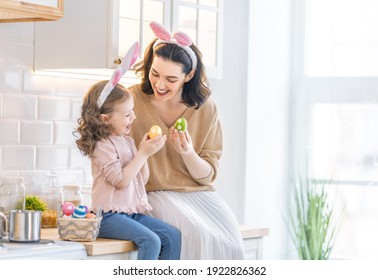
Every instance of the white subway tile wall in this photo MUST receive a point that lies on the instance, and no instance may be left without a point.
(37, 115)
(66, 86)
(19, 106)
(77, 160)
(52, 157)
(63, 133)
(36, 133)
(53, 108)
(10, 79)
(35, 84)
(15, 157)
(9, 132)
(75, 108)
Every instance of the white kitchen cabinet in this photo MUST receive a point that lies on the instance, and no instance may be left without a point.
(84, 38)
(94, 33)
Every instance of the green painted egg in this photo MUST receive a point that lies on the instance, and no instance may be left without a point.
(181, 124)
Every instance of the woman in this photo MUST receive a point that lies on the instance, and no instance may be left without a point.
(180, 188)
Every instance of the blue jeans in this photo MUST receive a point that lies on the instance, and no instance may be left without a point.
(153, 237)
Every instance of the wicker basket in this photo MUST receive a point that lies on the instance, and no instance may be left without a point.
(79, 229)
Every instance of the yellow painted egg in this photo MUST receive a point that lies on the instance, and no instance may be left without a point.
(155, 130)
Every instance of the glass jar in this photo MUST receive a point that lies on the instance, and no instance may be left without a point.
(72, 193)
(52, 194)
(87, 196)
(12, 194)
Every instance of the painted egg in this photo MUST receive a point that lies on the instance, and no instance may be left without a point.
(155, 130)
(181, 124)
(80, 212)
(90, 216)
(68, 208)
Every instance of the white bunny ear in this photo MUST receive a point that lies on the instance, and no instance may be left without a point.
(130, 57)
(127, 61)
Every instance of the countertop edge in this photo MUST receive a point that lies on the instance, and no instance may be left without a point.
(103, 246)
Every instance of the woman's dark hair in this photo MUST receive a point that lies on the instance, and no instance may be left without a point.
(196, 91)
(90, 126)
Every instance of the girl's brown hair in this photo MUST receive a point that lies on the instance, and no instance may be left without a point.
(90, 128)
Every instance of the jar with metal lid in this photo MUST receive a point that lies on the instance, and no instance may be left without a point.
(72, 193)
(52, 194)
(12, 194)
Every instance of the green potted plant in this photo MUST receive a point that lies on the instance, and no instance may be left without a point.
(34, 202)
(311, 224)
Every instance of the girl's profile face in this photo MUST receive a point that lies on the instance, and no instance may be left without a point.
(121, 118)
(167, 78)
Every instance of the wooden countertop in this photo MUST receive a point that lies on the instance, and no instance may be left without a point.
(102, 246)
(249, 232)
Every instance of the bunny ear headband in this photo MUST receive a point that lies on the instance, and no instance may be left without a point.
(179, 38)
(128, 60)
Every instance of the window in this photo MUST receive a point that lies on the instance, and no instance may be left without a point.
(342, 38)
(200, 19)
(135, 17)
(336, 78)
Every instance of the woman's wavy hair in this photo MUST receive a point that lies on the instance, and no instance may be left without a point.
(196, 91)
(91, 128)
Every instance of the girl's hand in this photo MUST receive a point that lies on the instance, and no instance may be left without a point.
(182, 142)
(150, 146)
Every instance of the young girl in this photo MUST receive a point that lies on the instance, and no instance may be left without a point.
(120, 171)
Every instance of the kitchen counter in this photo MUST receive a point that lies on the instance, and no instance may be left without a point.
(103, 248)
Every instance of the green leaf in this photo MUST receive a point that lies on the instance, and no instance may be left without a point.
(310, 218)
(34, 202)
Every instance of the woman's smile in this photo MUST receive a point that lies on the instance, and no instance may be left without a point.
(161, 92)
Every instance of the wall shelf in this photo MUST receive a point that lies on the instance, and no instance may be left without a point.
(30, 10)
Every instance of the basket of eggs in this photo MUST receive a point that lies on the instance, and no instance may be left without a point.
(78, 224)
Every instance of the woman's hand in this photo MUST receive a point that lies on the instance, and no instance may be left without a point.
(150, 146)
(182, 142)
(198, 168)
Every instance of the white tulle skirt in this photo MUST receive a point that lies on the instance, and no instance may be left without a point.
(209, 228)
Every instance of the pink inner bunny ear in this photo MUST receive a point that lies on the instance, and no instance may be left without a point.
(160, 31)
(182, 38)
(116, 76)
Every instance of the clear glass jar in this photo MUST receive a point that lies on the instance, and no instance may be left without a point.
(72, 193)
(52, 194)
(12, 194)
(87, 196)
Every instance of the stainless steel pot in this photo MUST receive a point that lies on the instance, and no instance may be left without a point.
(24, 225)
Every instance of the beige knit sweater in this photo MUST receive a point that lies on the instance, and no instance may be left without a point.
(167, 169)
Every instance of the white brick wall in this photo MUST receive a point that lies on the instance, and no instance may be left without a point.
(37, 115)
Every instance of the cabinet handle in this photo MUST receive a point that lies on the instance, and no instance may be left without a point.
(117, 60)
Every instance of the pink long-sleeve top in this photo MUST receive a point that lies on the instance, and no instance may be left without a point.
(110, 157)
